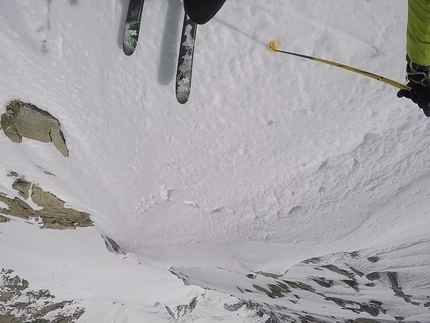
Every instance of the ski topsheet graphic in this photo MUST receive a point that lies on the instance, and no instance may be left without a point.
(132, 26)
(185, 60)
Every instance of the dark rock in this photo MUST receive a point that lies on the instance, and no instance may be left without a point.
(373, 259)
(373, 276)
(339, 271)
(323, 282)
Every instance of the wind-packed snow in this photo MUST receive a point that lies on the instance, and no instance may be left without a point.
(273, 160)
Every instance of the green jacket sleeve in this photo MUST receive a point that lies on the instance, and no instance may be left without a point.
(418, 32)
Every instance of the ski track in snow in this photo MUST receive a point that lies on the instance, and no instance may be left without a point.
(274, 159)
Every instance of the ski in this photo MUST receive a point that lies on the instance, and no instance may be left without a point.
(132, 26)
(185, 60)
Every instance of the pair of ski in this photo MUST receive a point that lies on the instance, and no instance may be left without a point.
(186, 47)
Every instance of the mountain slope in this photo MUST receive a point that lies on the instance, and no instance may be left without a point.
(273, 161)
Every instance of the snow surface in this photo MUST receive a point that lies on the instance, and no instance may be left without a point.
(273, 160)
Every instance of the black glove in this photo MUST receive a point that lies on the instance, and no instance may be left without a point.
(419, 82)
(419, 94)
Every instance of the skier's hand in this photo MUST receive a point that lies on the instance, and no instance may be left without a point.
(419, 94)
(419, 82)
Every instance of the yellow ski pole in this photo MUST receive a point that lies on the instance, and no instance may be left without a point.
(274, 47)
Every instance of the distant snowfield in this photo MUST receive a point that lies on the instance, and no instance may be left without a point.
(274, 159)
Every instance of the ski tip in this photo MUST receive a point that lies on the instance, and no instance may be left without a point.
(182, 99)
(273, 46)
(183, 86)
(128, 50)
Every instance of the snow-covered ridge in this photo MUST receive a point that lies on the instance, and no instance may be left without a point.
(346, 287)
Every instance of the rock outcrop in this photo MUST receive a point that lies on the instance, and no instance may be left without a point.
(26, 120)
(20, 304)
(53, 213)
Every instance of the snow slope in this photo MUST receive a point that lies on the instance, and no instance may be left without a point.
(274, 159)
